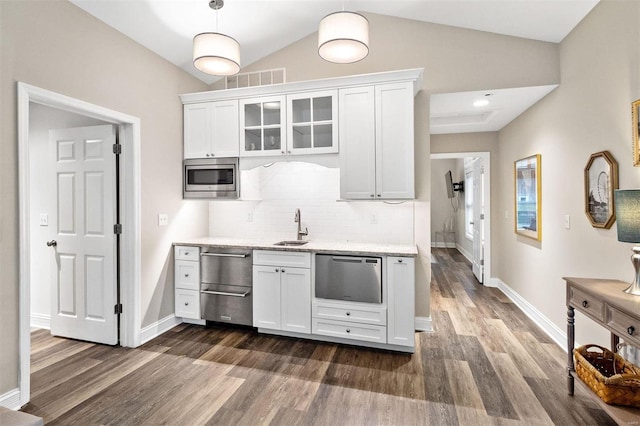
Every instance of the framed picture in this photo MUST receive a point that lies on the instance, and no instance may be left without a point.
(635, 129)
(600, 180)
(528, 197)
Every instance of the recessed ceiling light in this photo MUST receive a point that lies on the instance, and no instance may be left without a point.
(481, 103)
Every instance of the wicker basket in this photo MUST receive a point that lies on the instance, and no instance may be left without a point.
(617, 384)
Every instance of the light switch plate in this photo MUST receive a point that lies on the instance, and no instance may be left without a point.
(163, 219)
(567, 221)
(373, 218)
(44, 219)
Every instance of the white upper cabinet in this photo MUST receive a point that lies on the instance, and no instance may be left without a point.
(211, 129)
(312, 122)
(394, 141)
(376, 134)
(262, 126)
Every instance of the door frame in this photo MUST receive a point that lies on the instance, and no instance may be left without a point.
(486, 157)
(130, 253)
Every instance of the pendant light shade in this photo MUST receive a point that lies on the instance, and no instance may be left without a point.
(216, 54)
(343, 37)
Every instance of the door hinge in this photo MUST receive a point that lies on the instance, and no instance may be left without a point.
(482, 262)
(117, 309)
(482, 216)
(117, 229)
(117, 149)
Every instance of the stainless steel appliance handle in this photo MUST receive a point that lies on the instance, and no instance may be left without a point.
(224, 293)
(242, 256)
(350, 259)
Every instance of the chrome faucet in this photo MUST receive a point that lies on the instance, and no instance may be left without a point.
(301, 233)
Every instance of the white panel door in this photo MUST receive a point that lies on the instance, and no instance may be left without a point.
(83, 208)
(478, 219)
(295, 286)
(266, 297)
(357, 143)
(394, 141)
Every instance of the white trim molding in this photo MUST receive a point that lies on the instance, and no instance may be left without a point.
(465, 253)
(131, 245)
(423, 324)
(154, 330)
(11, 399)
(550, 328)
(41, 321)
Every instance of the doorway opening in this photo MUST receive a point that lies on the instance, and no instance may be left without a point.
(128, 128)
(464, 221)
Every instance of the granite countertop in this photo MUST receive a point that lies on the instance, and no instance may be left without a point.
(345, 247)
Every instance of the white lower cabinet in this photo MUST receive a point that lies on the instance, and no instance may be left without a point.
(187, 282)
(282, 294)
(401, 303)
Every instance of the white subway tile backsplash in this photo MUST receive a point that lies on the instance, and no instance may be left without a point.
(273, 193)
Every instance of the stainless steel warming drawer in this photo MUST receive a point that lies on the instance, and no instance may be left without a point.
(226, 285)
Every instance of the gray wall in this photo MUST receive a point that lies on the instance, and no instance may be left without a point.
(57, 46)
(589, 112)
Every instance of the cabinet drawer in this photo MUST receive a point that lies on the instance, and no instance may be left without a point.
(187, 253)
(295, 259)
(188, 303)
(587, 304)
(376, 315)
(370, 333)
(187, 275)
(623, 325)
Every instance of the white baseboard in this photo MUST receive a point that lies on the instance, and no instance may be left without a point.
(552, 330)
(40, 321)
(157, 328)
(423, 324)
(11, 399)
(443, 245)
(465, 253)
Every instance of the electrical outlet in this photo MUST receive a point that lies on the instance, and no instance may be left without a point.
(250, 217)
(567, 221)
(163, 219)
(373, 218)
(44, 219)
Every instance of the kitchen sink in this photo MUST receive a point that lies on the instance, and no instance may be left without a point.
(291, 243)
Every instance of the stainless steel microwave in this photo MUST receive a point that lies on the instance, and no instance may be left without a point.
(211, 178)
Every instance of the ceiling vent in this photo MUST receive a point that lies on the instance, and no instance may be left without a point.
(257, 78)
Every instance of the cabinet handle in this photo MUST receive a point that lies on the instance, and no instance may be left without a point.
(281, 152)
(186, 275)
(348, 313)
(186, 303)
(213, 155)
(52, 243)
(207, 155)
(371, 195)
(277, 270)
(348, 330)
(281, 270)
(585, 304)
(289, 152)
(631, 330)
(379, 196)
(399, 260)
(186, 253)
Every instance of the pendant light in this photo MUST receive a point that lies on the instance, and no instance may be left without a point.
(343, 37)
(215, 53)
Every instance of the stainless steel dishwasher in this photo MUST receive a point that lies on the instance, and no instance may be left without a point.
(226, 285)
(351, 278)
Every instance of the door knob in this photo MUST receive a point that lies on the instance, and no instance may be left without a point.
(52, 243)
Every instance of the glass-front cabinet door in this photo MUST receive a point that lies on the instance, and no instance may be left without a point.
(262, 129)
(312, 123)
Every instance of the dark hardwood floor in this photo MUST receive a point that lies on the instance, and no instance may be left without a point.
(486, 363)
